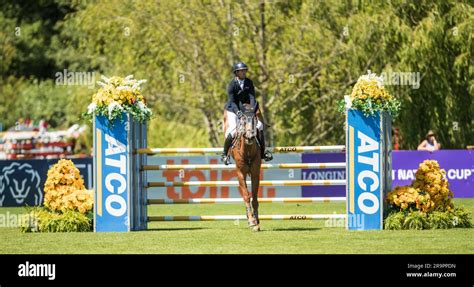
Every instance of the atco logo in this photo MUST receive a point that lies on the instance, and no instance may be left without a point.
(369, 169)
(298, 217)
(288, 149)
(115, 202)
(20, 181)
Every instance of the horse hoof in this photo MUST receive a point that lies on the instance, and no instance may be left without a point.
(256, 228)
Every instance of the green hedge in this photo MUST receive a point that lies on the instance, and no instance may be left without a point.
(40, 219)
(417, 220)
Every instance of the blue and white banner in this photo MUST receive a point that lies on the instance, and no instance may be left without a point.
(365, 174)
(112, 175)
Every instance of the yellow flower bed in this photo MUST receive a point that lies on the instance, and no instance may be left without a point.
(64, 189)
(428, 192)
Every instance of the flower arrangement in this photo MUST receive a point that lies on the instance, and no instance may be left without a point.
(428, 192)
(64, 189)
(426, 202)
(117, 95)
(67, 204)
(369, 96)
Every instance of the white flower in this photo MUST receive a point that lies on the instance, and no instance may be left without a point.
(141, 106)
(101, 84)
(372, 77)
(125, 88)
(107, 80)
(129, 77)
(145, 110)
(114, 106)
(379, 82)
(136, 84)
(348, 101)
(91, 108)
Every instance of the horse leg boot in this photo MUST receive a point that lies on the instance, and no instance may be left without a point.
(227, 144)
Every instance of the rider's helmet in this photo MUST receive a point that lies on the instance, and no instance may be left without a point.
(239, 66)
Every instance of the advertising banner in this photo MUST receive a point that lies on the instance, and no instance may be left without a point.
(112, 178)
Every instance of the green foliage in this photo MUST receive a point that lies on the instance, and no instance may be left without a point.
(303, 57)
(164, 133)
(368, 106)
(415, 220)
(461, 217)
(40, 219)
(440, 220)
(394, 221)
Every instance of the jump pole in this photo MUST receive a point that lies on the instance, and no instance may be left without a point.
(120, 153)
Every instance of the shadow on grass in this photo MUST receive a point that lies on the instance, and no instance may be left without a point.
(296, 229)
(175, 229)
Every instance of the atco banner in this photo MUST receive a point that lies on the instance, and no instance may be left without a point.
(112, 178)
(366, 169)
(117, 206)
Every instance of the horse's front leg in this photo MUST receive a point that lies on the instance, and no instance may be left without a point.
(245, 195)
(255, 178)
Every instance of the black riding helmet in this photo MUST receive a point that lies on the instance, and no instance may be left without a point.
(239, 66)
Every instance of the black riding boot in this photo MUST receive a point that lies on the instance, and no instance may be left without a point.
(262, 144)
(227, 144)
(265, 155)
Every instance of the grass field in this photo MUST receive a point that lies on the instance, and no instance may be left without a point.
(218, 237)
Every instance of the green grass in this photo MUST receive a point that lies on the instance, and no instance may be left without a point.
(235, 237)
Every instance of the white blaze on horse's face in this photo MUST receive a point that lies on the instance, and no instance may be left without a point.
(250, 125)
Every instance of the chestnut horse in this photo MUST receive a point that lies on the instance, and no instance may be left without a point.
(245, 151)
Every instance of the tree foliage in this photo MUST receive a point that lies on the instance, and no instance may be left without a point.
(304, 56)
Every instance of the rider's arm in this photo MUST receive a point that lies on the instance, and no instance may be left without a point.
(231, 99)
(252, 101)
(252, 94)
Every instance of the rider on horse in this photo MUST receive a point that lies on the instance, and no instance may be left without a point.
(241, 91)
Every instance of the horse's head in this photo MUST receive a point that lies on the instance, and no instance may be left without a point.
(248, 124)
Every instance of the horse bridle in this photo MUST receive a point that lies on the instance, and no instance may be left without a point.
(248, 118)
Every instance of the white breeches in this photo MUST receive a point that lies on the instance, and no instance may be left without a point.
(232, 121)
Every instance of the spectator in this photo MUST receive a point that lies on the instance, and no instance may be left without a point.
(396, 138)
(429, 144)
(43, 126)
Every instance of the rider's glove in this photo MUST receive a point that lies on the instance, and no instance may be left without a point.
(239, 114)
